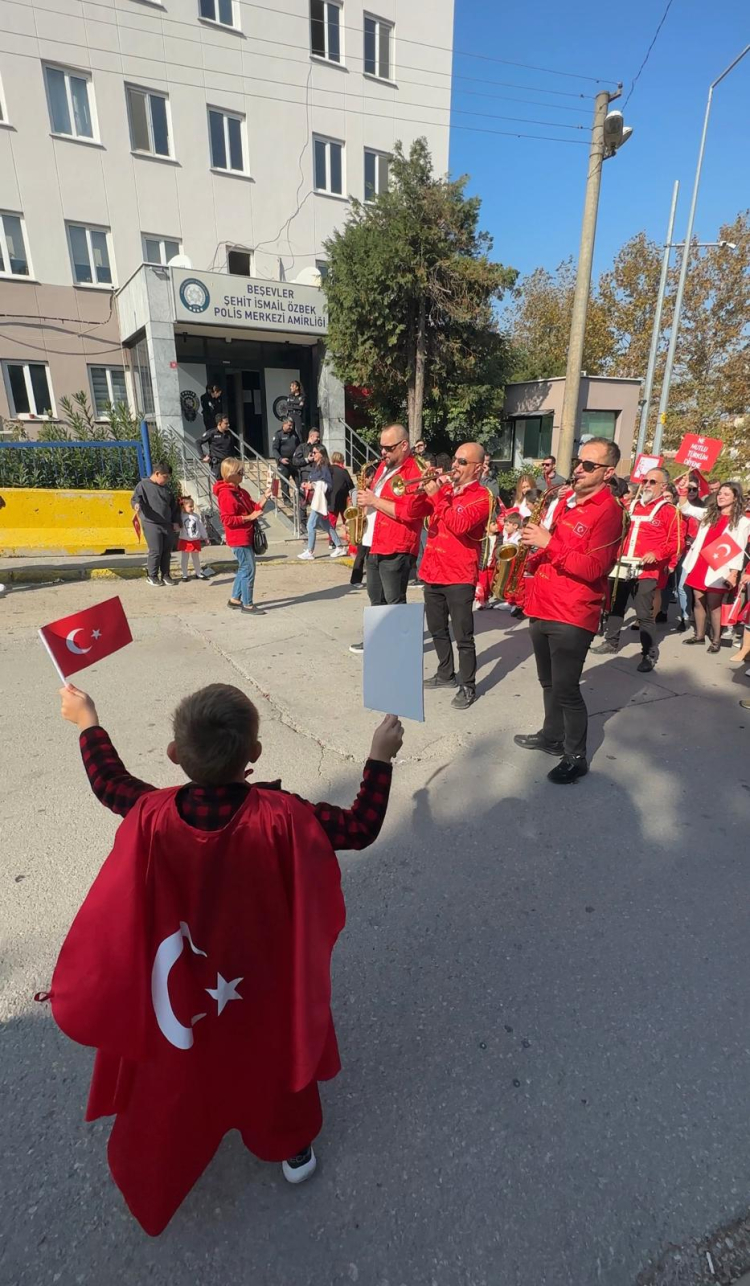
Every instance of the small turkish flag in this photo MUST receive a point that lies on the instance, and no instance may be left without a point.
(720, 551)
(137, 527)
(84, 638)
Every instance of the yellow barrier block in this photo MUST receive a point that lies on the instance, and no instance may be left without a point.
(39, 520)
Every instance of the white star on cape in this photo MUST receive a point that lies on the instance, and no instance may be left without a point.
(224, 991)
(96, 634)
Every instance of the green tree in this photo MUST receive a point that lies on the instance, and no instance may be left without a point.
(411, 292)
(540, 326)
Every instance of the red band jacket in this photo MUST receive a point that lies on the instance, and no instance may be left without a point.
(398, 535)
(457, 523)
(569, 578)
(655, 528)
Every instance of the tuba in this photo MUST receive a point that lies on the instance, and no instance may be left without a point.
(354, 517)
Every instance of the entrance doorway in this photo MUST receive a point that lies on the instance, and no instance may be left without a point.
(244, 402)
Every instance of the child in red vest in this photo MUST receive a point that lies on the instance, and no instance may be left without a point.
(199, 963)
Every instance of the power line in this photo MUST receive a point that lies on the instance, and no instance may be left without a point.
(386, 116)
(431, 71)
(634, 82)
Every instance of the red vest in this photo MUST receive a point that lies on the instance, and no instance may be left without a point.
(199, 968)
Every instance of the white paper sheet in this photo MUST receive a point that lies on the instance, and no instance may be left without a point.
(393, 660)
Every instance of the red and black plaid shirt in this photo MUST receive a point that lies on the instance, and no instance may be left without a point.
(208, 808)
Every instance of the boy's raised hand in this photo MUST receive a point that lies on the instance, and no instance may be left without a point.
(388, 739)
(78, 708)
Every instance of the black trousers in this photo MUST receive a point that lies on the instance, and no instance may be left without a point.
(454, 602)
(160, 543)
(358, 566)
(560, 651)
(287, 471)
(387, 578)
(642, 591)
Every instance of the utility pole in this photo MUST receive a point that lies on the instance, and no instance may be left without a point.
(648, 386)
(664, 399)
(604, 143)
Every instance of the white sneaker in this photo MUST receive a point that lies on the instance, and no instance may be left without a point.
(299, 1168)
(338, 553)
(306, 556)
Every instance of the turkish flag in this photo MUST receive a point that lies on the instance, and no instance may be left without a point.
(703, 487)
(137, 527)
(76, 641)
(720, 551)
(199, 967)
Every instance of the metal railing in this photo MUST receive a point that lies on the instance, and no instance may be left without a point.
(357, 452)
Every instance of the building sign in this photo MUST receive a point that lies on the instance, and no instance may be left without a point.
(220, 300)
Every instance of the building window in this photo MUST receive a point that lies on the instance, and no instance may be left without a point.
(14, 259)
(107, 388)
(225, 133)
(240, 262)
(29, 389)
(325, 30)
(70, 106)
(378, 36)
(159, 249)
(221, 11)
(322, 267)
(598, 424)
(149, 122)
(376, 174)
(142, 385)
(534, 436)
(3, 108)
(89, 253)
(329, 165)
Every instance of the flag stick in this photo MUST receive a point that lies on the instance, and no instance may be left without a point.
(63, 680)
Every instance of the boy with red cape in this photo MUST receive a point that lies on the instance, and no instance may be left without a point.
(199, 963)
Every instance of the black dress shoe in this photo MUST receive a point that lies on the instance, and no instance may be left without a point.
(602, 649)
(535, 741)
(464, 698)
(647, 664)
(680, 625)
(437, 682)
(661, 618)
(569, 769)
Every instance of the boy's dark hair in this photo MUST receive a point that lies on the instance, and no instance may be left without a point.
(160, 467)
(215, 730)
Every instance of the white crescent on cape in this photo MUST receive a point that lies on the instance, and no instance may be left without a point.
(72, 645)
(167, 955)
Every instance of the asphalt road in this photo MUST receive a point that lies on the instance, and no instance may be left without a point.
(541, 995)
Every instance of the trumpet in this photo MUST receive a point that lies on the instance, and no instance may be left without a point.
(400, 487)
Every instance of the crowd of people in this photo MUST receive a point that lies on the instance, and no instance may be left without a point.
(444, 525)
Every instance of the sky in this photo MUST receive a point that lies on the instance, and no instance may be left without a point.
(532, 191)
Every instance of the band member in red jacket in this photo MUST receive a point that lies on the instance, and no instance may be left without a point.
(392, 543)
(564, 600)
(458, 513)
(653, 540)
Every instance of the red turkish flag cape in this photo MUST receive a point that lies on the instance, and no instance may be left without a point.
(76, 641)
(199, 968)
(720, 551)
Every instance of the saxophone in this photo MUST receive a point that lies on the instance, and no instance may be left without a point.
(511, 559)
(354, 517)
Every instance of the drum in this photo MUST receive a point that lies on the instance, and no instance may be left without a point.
(628, 568)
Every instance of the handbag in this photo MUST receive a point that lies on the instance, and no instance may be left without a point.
(260, 540)
(319, 502)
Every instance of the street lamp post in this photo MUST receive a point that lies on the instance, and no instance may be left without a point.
(664, 399)
(657, 326)
(608, 133)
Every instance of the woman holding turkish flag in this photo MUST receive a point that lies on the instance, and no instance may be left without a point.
(715, 559)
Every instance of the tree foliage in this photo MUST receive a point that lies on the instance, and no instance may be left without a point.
(710, 391)
(411, 291)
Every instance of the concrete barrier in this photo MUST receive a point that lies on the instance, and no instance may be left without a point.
(39, 520)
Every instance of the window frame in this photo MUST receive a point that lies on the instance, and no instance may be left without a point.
(227, 114)
(94, 366)
(328, 191)
(326, 56)
(379, 156)
(148, 94)
(234, 25)
(162, 241)
(10, 275)
(88, 228)
(25, 367)
(241, 250)
(379, 22)
(88, 78)
(323, 268)
(4, 120)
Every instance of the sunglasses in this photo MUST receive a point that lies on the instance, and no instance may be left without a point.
(458, 459)
(588, 466)
(388, 450)
(548, 464)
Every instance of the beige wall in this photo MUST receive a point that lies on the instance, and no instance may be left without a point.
(545, 397)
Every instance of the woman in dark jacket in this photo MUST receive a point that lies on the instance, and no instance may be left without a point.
(239, 513)
(321, 486)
